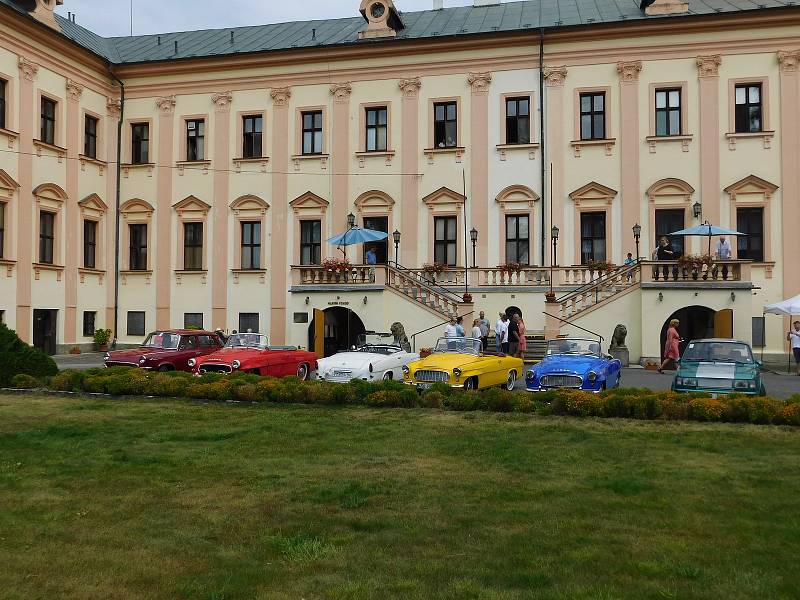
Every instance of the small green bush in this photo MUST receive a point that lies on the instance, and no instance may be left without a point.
(17, 357)
(431, 399)
(68, 381)
(23, 381)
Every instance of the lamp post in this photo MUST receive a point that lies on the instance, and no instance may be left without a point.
(396, 237)
(697, 210)
(351, 221)
(637, 234)
(551, 295)
(473, 235)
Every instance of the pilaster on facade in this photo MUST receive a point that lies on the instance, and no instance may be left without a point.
(480, 83)
(410, 87)
(708, 66)
(789, 64)
(281, 95)
(708, 75)
(222, 101)
(166, 104)
(555, 76)
(341, 92)
(789, 60)
(114, 108)
(409, 164)
(28, 69)
(629, 70)
(74, 90)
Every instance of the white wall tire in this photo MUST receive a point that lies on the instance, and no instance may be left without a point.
(302, 372)
(511, 382)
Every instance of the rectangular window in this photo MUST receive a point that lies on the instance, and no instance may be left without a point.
(89, 244)
(251, 245)
(668, 221)
(310, 242)
(518, 239)
(668, 112)
(593, 116)
(751, 222)
(140, 143)
(748, 108)
(3, 92)
(2, 227)
(377, 129)
(252, 136)
(518, 120)
(248, 322)
(758, 332)
(48, 121)
(195, 140)
(90, 137)
(138, 247)
(46, 237)
(193, 246)
(593, 237)
(445, 240)
(380, 248)
(88, 323)
(193, 321)
(445, 125)
(312, 132)
(135, 322)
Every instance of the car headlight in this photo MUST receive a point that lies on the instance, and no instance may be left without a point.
(191, 362)
(406, 370)
(592, 376)
(457, 372)
(142, 360)
(687, 381)
(531, 375)
(236, 364)
(745, 385)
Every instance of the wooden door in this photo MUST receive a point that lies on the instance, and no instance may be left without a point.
(319, 333)
(723, 324)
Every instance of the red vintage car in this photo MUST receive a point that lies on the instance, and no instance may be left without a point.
(251, 353)
(166, 351)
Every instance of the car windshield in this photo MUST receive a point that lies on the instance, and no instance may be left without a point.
(248, 340)
(162, 340)
(732, 352)
(573, 347)
(461, 345)
(379, 349)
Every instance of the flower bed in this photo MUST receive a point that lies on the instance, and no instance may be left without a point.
(629, 403)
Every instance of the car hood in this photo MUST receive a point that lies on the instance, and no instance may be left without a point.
(133, 355)
(351, 360)
(448, 361)
(228, 355)
(718, 370)
(571, 365)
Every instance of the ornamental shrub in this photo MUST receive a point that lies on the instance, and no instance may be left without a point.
(23, 381)
(706, 409)
(499, 400)
(791, 414)
(431, 399)
(69, 380)
(17, 357)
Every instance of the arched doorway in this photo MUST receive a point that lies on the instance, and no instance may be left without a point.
(514, 310)
(697, 322)
(342, 330)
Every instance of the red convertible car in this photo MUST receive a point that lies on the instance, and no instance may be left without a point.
(251, 353)
(166, 351)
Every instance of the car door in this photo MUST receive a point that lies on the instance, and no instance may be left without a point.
(189, 348)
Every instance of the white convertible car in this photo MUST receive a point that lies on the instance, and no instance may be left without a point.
(371, 361)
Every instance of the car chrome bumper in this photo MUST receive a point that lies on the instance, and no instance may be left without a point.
(537, 390)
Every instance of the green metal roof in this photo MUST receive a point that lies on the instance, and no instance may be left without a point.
(430, 24)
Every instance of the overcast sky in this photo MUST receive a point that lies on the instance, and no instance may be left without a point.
(159, 16)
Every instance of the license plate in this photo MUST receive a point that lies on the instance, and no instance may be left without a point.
(342, 373)
(424, 386)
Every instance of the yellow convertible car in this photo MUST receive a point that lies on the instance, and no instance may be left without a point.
(461, 363)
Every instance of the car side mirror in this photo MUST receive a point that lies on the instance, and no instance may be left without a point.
(760, 365)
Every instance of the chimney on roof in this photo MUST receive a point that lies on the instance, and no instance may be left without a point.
(486, 2)
(44, 12)
(383, 20)
(438, 4)
(664, 7)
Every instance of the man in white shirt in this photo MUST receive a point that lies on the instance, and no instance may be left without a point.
(794, 338)
(723, 249)
(450, 330)
(501, 331)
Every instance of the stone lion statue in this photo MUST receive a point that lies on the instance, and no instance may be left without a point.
(400, 337)
(618, 339)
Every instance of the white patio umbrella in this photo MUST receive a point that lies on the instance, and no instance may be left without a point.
(788, 308)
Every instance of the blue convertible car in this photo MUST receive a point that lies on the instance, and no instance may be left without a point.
(574, 363)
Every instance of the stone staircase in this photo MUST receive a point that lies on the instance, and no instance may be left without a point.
(599, 292)
(421, 290)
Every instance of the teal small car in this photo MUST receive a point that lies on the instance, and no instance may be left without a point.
(719, 367)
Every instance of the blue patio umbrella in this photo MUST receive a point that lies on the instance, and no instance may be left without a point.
(356, 235)
(706, 230)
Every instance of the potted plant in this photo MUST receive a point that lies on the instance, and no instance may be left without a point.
(510, 267)
(601, 266)
(425, 352)
(101, 339)
(433, 269)
(468, 298)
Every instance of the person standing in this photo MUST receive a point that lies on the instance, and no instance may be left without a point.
(513, 336)
(665, 251)
(450, 328)
(522, 341)
(500, 331)
(460, 331)
(483, 323)
(372, 256)
(672, 351)
(794, 338)
(723, 249)
(476, 330)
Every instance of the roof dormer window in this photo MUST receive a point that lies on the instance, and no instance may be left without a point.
(383, 19)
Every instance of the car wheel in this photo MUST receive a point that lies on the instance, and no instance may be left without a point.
(471, 383)
(164, 368)
(763, 391)
(387, 376)
(511, 382)
(302, 372)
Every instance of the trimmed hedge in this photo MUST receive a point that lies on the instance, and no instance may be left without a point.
(629, 403)
(18, 358)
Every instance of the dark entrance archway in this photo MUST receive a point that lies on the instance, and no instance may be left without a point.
(514, 310)
(697, 322)
(342, 330)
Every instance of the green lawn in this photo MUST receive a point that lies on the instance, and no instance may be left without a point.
(164, 499)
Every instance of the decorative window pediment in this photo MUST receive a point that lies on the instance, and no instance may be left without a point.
(676, 190)
(517, 196)
(751, 186)
(249, 204)
(50, 191)
(374, 202)
(444, 198)
(593, 192)
(190, 205)
(7, 184)
(93, 205)
(310, 203)
(136, 209)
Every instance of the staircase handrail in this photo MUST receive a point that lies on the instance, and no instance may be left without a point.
(414, 335)
(602, 279)
(429, 283)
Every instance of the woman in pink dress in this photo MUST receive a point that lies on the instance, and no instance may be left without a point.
(672, 350)
(521, 325)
